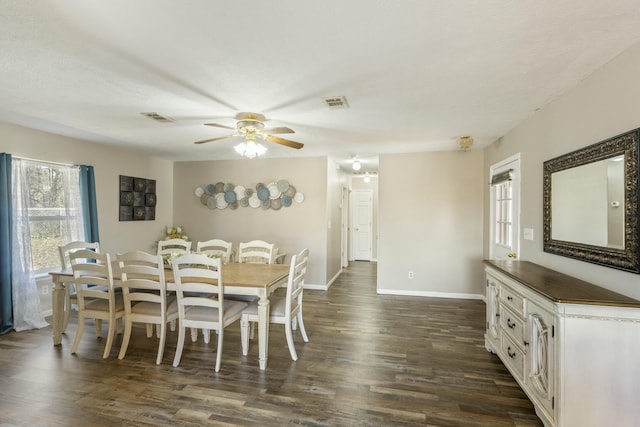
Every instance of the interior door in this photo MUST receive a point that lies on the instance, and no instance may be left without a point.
(361, 224)
(505, 209)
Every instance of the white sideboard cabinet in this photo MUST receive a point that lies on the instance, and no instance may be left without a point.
(573, 347)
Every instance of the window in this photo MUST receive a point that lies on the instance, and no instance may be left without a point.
(54, 211)
(503, 214)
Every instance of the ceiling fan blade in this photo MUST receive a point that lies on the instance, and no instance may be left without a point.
(285, 142)
(219, 126)
(214, 139)
(282, 129)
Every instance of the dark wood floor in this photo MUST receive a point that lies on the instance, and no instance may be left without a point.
(372, 360)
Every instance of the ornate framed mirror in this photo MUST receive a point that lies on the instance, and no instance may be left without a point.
(590, 203)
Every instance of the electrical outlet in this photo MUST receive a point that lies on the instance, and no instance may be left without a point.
(411, 275)
(45, 290)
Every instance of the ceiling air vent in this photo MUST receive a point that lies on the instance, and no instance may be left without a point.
(337, 102)
(158, 117)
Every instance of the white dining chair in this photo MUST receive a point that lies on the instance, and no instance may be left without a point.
(174, 247)
(145, 296)
(201, 302)
(71, 297)
(93, 276)
(285, 310)
(216, 247)
(256, 251)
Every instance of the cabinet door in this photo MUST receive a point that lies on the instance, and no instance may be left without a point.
(540, 363)
(492, 340)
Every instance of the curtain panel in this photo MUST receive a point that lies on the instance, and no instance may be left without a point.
(19, 300)
(27, 313)
(89, 203)
(6, 311)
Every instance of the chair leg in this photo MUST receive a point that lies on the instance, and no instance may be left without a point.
(181, 334)
(206, 333)
(172, 325)
(194, 334)
(301, 323)
(79, 332)
(219, 349)
(149, 330)
(289, 334)
(98, 327)
(163, 334)
(110, 333)
(158, 330)
(125, 338)
(244, 335)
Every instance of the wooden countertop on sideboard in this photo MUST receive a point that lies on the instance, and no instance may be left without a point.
(560, 287)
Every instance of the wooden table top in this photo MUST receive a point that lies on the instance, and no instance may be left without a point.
(559, 287)
(248, 275)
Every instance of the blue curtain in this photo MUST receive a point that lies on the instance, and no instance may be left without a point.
(6, 310)
(89, 204)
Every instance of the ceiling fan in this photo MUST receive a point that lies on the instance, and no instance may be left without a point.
(251, 127)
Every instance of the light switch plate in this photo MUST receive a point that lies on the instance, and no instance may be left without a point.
(528, 234)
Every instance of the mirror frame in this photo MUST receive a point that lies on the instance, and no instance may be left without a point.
(626, 259)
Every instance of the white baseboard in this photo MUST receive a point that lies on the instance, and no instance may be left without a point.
(430, 294)
(326, 287)
(316, 287)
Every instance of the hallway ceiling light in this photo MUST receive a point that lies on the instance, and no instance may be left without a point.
(465, 142)
(356, 165)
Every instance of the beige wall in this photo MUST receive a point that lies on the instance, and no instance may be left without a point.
(430, 222)
(603, 105)
(109, 162)
(292, 229)
(336, 179)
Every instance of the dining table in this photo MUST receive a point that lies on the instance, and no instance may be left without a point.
(246, 279)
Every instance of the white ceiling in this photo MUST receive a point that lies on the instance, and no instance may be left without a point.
(417, 73)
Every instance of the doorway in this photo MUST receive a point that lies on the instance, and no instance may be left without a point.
(361, 235)
(504, 205)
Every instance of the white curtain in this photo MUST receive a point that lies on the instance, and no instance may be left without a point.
(27, 313)
(73, 203)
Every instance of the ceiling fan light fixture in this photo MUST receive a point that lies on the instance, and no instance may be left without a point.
(356, 165)
(250, 149)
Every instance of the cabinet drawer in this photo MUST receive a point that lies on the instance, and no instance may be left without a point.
(512, 299)
(513, 325)
(513, 357)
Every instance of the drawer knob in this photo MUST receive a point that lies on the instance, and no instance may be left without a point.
(526, 343)
(511, 324)
(509, 298)
(511, 355)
